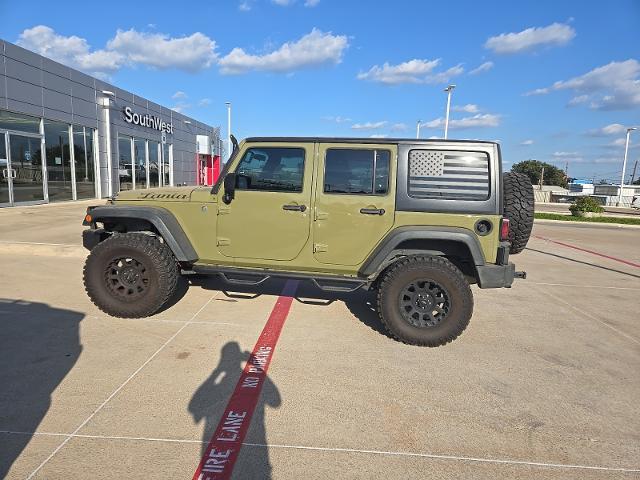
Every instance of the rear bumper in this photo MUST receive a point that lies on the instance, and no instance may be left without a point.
(501, 274)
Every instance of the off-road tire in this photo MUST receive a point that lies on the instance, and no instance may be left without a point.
(158, 264)
(439, 271)
(518, 208)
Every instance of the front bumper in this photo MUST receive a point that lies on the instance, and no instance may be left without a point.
(92, 237)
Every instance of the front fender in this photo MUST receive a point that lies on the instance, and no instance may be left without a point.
(161, 218)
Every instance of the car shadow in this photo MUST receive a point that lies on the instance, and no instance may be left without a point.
(39, 345)
(361, 303)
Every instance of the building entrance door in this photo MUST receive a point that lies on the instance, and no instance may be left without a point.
(21, 169)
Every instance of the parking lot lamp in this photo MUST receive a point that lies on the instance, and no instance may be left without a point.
(624, 164)
(449, 89)
(228, 104)
(418, 129)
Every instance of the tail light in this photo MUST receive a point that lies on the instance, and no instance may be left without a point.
(504, 229)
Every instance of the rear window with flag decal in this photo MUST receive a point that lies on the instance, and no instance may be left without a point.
(449, 175)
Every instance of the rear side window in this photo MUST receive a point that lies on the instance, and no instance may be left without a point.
(356, 171)
(271, 169)
(449, 175)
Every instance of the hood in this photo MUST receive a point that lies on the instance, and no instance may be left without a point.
(165, 194)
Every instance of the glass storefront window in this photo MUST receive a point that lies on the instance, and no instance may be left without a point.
(84, 163)
(140, 163)
(19, 122)
(154, 174)
(166, 165)
(59, 182)
(125, 162)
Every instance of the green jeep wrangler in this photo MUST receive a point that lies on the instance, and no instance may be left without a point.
(416, 220)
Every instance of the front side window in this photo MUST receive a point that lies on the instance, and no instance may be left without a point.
(271, 169)
(356, 171)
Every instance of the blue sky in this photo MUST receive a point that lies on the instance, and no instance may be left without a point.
(558, 81)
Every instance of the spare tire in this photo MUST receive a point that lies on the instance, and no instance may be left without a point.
(518, 202)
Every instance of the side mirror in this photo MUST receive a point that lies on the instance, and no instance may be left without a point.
(229, 188)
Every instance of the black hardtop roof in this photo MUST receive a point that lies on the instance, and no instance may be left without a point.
(360, 140)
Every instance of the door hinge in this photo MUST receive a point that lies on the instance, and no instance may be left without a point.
(223, 210)
(321, 215)
(320, 247)
(223, 242)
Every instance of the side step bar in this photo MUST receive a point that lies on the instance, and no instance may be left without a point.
(247, 277)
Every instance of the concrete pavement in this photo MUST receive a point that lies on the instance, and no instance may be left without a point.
(543, 384)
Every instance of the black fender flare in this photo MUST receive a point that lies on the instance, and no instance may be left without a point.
(388, 249)
(162, 219)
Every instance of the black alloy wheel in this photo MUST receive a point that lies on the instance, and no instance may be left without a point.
(424, 303)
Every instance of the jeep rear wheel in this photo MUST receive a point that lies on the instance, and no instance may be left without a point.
(518, 208)
(424, 300)
(130, 275)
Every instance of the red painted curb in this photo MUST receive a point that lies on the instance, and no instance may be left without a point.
(222, 452)
(626, 262)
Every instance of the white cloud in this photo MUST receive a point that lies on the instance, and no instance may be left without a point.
(413, 71)
(204, 102)
(193, 53)
(526, 143)
(180, 107)
(179, 94)
(398, 127)
(72, 51)
(313, 49)
(245, 6)
(130, 47)
(476, 121)
(611, 129)
(485, 67)
(556, 34)
(368, 125)
(615, 86)
(283, 3)
(311, 3)
(469, 108)
(337, 119)
(378, 135)
(566, 155)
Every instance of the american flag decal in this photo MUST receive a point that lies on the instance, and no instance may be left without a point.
(450, 175)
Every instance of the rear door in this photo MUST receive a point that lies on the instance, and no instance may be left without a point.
(355, 197)
(270, 216)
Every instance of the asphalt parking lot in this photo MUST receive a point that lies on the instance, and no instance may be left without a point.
(543, 384)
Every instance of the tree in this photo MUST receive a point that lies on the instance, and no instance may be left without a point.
(533, 169)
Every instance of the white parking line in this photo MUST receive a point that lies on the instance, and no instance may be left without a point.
(117, 390)
(460, 458)
(165, 320)
(588, 315)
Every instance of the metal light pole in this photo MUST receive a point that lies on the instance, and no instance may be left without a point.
(418, 129)
(624, 164)
(228, 104)
(449, 89)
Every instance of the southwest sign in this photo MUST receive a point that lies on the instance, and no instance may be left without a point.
(146, 120)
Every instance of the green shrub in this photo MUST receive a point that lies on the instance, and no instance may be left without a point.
(586, 204)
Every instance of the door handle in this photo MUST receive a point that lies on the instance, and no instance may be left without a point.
(295, 208)
(372, 211)
(14, 173)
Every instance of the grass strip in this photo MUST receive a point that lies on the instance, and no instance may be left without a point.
(571, 218)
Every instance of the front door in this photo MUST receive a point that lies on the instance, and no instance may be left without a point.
(269, 218)
(5, 172)
(25, 164)
(355, 199)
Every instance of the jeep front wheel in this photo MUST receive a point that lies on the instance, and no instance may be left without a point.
(130, 275)
(424, 300)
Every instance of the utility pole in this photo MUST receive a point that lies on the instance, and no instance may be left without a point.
(418, 128)
(228, 104)
(541, 178)
(633, 175)
(566, 170)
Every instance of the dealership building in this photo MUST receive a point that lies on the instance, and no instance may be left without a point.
(65, 135)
